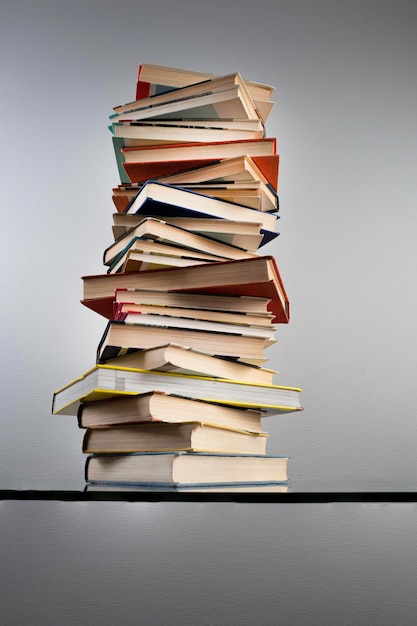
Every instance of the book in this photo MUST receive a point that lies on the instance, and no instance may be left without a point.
(185, 468)
(156, 406)
(120, 337)
(246, 235)
(182, 359)
(136, 260)
(210, 301)
(240, 317)
(189, 97)
(193, 150)
(157, 199)
(148, 133)
(242, 168)
(257, 277)
(231, 102)
(227, 124)
(186, 436)
(164, 320)
(153, 79)
(235, 170)
(254, 194)
(105, 381)
(164, 232)
(156, 79)
(142, 253)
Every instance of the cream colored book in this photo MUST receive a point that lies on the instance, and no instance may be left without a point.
(186, 436)
(157, 407)
(182, 359)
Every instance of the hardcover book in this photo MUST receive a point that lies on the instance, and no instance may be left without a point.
(164, 232)
(262, 170)
(223, 96)
(245, 235)
(157, 406)
(185, 468)
(164, 200)
(151, 132)
(258, 277)
(158, 79)
(187, 436)
(121, 337)
(104, 381)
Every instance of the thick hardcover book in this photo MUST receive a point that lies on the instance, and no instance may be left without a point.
(188, 301)
(245, 235)
(154, 80)
(163, 200)
(185, 468)
(194, 90)
(257, 277)
(228, 103)
(162, 319)
(141, 254)
(252, 194)
(187, 436)
(263, 169)
(121, 309)
(104, 381)
(146, 133)
(157, 407)
(182, 359)
(198, 150)
(223, 96)
(126, 150)
(164, 232)
(121, 337)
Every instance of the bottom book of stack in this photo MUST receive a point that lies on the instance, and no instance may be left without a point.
(184, 469)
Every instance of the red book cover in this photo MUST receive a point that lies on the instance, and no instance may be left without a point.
(142, 88)
(199, 279)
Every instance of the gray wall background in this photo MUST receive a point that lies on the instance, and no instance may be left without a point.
(345, 119)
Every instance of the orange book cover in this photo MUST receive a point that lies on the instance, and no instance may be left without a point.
(140, 172)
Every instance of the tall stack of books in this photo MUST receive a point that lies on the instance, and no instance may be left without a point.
(179, 390)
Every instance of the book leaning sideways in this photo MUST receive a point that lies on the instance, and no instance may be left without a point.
(104, 381)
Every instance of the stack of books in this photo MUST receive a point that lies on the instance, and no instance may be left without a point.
(179, 390)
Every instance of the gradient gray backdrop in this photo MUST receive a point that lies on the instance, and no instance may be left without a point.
(345, 118)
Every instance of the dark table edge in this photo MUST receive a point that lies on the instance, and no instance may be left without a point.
(171, 496)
